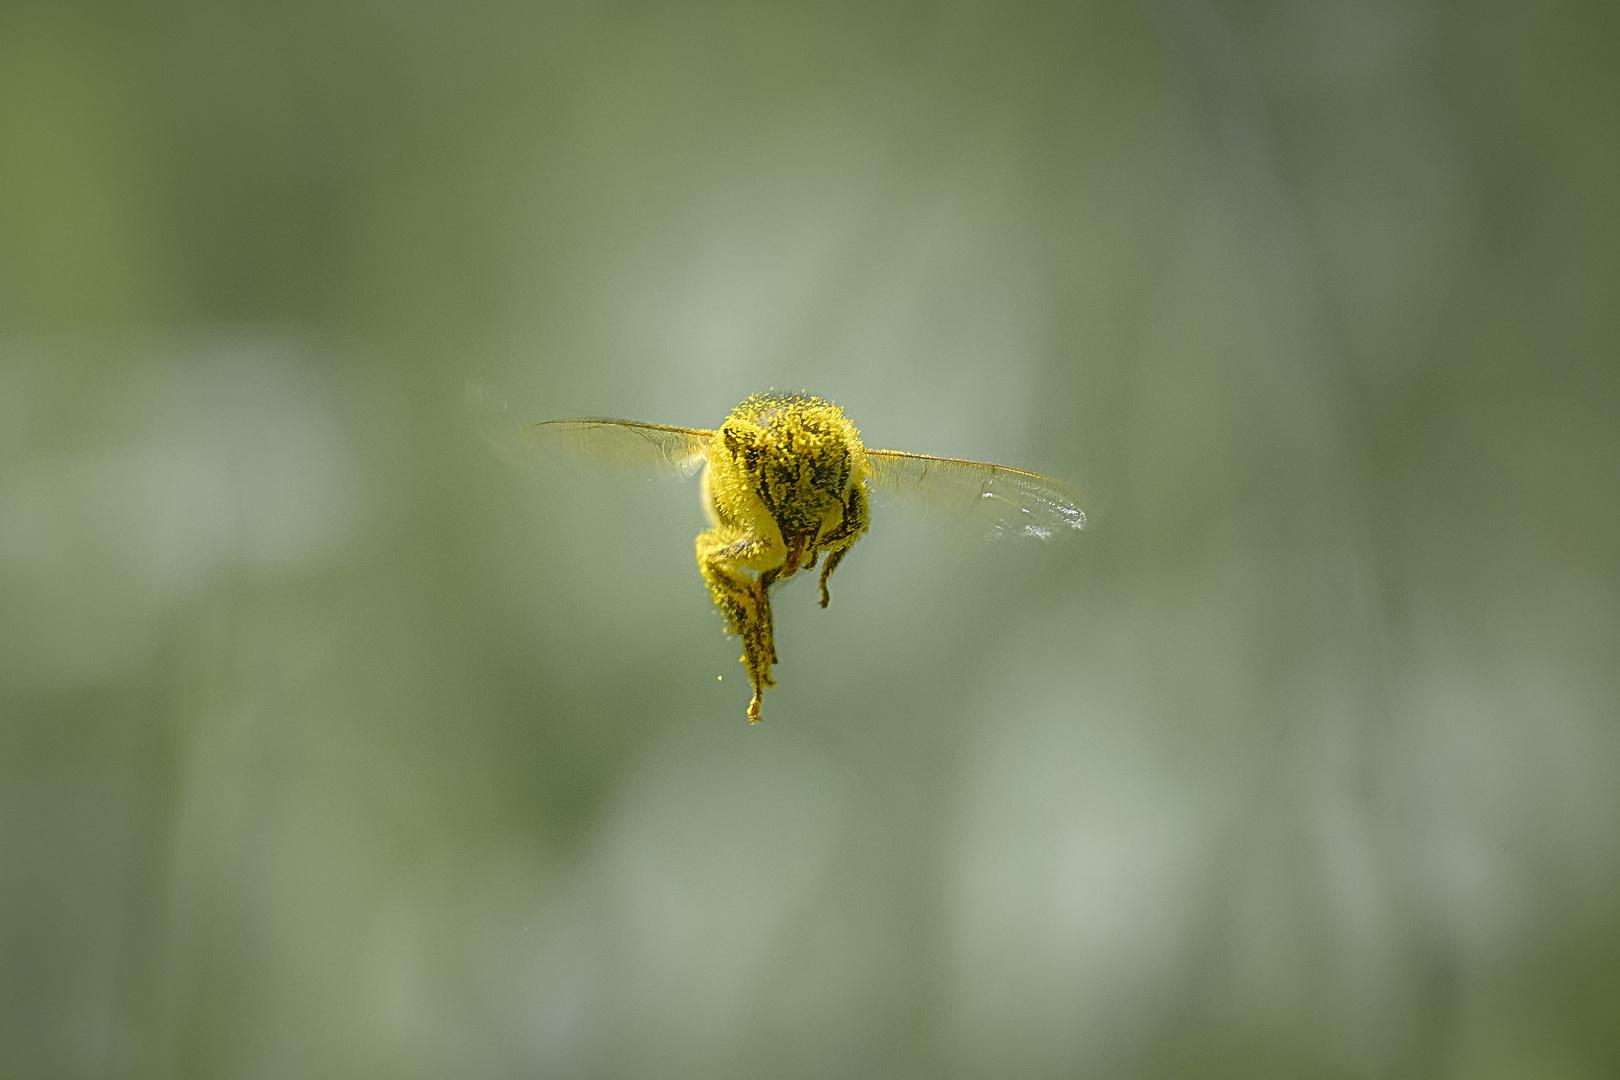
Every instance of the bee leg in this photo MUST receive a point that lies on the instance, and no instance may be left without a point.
(766, 580)
(857, 519)
(765, 626)
(833, 559)
(740, 594)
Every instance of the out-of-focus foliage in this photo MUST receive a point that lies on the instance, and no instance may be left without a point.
(320, 751)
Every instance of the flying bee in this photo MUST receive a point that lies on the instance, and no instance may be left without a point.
(786, 483)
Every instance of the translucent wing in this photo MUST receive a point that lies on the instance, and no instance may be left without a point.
(996, 500)
(594, 440)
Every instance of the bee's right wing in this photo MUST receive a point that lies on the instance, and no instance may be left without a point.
(593, 440)
(993, 500)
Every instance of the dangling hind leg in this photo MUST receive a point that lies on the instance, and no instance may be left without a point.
(740, 594)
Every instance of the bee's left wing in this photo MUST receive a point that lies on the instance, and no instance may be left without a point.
(594, 440)
(996, 500)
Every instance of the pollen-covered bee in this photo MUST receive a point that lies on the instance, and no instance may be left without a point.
(785, 485)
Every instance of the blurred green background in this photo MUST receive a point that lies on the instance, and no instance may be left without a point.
(330, 746)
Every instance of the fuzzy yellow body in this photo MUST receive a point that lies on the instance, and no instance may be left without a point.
(784, 485)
